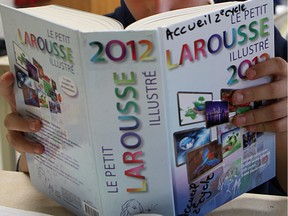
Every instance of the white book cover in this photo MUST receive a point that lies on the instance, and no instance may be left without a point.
(139, 120)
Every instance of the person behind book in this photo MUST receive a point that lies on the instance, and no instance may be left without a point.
(270, 118)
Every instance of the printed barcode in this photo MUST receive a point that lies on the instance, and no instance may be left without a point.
(89, 210)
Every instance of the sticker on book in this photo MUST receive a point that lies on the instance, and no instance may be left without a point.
(216, 113)
(68, 86)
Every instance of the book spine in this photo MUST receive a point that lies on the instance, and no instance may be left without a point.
(126, 112)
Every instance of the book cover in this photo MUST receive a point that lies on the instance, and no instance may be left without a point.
(139, 120)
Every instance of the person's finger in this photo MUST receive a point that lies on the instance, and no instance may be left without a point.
(266, 115)
(276, 67)
(15, 122)
(277, 126)
(6, 89)
(20, 144)
(267, 91)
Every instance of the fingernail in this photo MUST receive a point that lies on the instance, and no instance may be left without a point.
(32, 126)
(251, 73)
(38, 150)
(239, 97)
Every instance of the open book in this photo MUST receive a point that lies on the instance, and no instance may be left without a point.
(139, 120)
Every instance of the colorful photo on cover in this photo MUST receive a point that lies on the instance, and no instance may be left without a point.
(223, 128)
(20, 56)
(187, 140)
(250, 144)
(226, 95)
(191, 106)
(30, 96)
(249, 138)
(39, 68)
(21, 76)
(53, 83)
(47, 87)
(203, 159)
(32, 71)
(53, 107)
(43, 99)
(216, 113)
(231, 141)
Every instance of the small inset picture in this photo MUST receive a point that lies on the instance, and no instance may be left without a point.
(39, 68)
(43, 99)
(30, 96)
(32, 71)
(191, 106)
(231, 141)
(20, 56)
(223, 128)
(217, 112)
(203, 159)
(21, 76)
(58, 107)
(47, 87)
(54, 86)
(265, 159)
(187, 140)
(226, 95)
(249, 138)
(53, 96)
(53, 107)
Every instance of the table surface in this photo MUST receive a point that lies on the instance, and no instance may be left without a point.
(16, 191)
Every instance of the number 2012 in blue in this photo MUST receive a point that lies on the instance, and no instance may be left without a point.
(239, 70)
(105, 51)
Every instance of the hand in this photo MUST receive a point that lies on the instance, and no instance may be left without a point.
(272, 117)
(15, 124)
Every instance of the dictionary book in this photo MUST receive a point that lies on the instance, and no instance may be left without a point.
(138, 120)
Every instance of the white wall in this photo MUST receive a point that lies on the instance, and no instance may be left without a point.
(6, 2)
